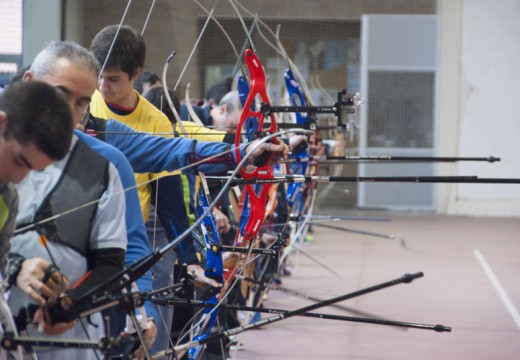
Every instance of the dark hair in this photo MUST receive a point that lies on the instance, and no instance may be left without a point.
(37, 113)
(219, 89)
(18, 75)
(156, 97)
(127, 51)
(146, 76)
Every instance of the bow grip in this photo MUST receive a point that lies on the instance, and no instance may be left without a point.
(264, 158)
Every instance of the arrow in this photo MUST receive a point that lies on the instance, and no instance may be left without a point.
(362, 179)
(490, 159)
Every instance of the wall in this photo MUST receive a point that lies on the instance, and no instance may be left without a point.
(37, 29)
(478, 107)
(174, 24)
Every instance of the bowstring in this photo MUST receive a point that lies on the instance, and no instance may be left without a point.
(148, 17)
(115, 36)
(199, 38)
(237, 55)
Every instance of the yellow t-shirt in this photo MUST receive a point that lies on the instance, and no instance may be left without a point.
(200, 132)
(145, 118)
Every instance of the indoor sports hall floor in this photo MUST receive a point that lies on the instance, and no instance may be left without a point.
(471, 283)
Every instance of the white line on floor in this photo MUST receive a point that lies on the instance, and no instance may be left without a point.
(500, 290)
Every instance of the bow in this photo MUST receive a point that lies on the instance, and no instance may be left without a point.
(255, 120)
(300, 198)
(214, 269)
(253, 215)
(253, 198)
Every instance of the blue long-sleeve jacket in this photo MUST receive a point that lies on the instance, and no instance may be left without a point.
(148, 153)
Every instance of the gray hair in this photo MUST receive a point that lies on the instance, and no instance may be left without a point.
(231, 101)
(45, 61)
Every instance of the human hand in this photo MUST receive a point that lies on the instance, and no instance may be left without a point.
(268, 239)
(149, 334)
(198, 275)
(41, 280)
(44, 326)
(221, 221)
(261, 153)
(316, 148)
(297, 143)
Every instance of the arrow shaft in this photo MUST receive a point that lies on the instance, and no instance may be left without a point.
(351, 218)
(412, 158)
(373, 179)
(361, 232)
(371, 320)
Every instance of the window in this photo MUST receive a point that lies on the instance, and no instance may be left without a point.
(10, 39)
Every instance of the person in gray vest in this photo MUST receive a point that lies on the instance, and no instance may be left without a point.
(86, 245)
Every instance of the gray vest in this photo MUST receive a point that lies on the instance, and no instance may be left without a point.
(84, 180)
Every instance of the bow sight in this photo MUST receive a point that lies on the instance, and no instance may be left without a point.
(345, 109)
